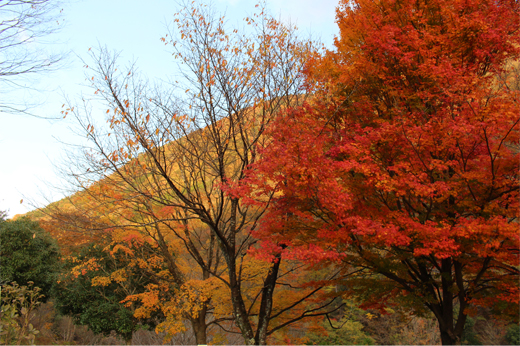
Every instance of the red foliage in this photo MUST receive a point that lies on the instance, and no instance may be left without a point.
(406, 165)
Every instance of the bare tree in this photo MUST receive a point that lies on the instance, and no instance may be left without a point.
(163, 163)
(23, 26)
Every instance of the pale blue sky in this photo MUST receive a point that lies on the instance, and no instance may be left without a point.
(29, 146)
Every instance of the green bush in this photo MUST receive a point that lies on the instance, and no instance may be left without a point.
(347, 331)
(469, 335)
(513, 335)
(28, 254)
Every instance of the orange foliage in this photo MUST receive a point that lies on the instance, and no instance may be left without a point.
(405, 167)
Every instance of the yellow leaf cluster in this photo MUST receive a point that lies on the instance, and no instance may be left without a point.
(101, 281)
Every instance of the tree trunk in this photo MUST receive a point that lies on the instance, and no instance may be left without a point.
(451, 333)
(449, 338)
(200, 333)
(199, 328)
(266, 304)
(239, 309)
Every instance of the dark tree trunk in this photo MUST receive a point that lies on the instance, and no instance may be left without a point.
(451, 333)
(242, 318)
(266, 305)
(199, 328)
(448, 338)
(239, 308)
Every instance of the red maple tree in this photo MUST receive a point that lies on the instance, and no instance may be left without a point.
(404, 169)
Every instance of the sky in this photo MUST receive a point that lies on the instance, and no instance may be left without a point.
(31, 147)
